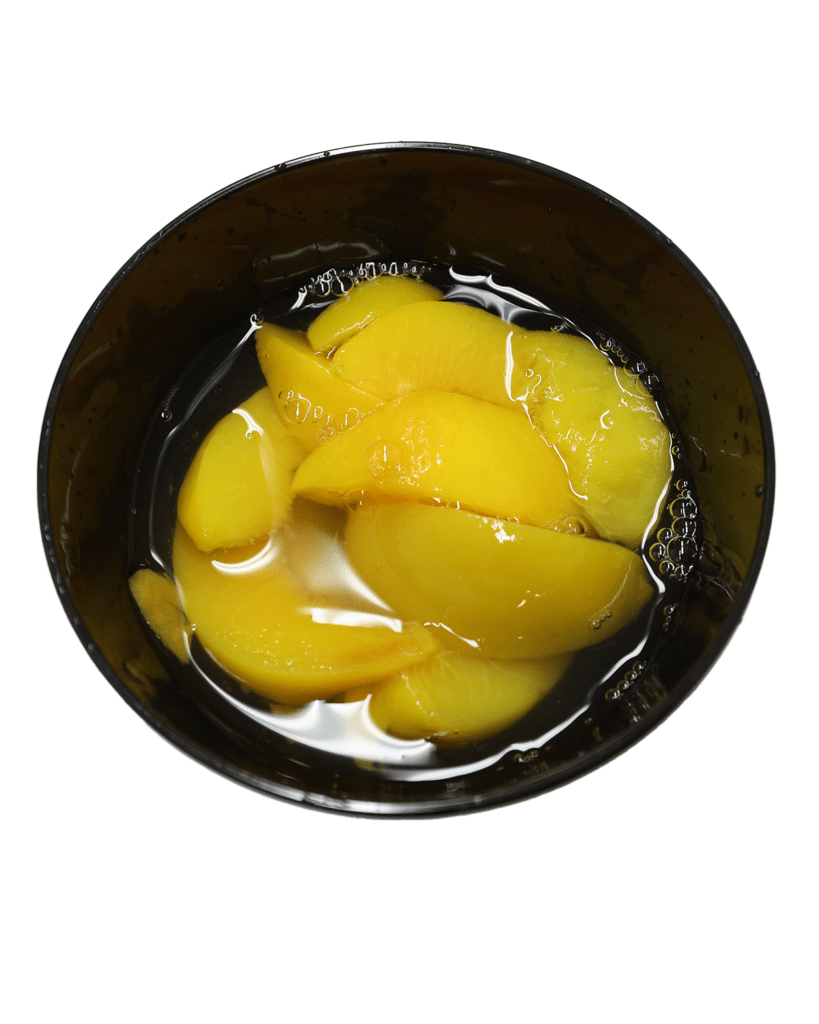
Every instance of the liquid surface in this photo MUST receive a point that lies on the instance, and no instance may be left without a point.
(227, 375)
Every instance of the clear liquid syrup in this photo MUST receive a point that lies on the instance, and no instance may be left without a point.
(224, 376)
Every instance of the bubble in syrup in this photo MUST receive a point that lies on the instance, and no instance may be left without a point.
(353, 500)
(684, 527)
(296, 408)
(344, 420)
(387, 458)
(682, 550)
(683, 508)
(570, 524)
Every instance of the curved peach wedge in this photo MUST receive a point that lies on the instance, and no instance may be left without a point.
(363, 303)
(490, 587)
(454, 699)
(444, 448)
(238, 486)
(158, 602)
(313, 400)
(433, 346)
(249, 615)
(607, 428)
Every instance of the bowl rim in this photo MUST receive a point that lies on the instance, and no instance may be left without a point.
(522, 790)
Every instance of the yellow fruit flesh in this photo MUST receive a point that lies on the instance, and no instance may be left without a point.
(455, 699)
(158, 603)
(494, 588)
(433, 346)
(314, 402)
(424, 403)
(250, 615)
(364, 303)
(438, 447)
(607, 428)
(238, 485)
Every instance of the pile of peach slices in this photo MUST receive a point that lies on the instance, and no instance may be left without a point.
(427, 506)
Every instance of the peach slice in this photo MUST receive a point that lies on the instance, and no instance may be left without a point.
(363, 303)
(313, 400)
(292, 647)
(158, 602)
(434, 346)
(490, 587)
(453, 699)
(448, 449)
(607, 428)
(238, 486)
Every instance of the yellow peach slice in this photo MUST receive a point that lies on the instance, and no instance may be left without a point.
(158, 602)
(313, 400)
(444, 448)
(238, 485)
(454, 699)
(491, 587)
(433, 346)
(249, 615)
(363, 303)
(607, 428)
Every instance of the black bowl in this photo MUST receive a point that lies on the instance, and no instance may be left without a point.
(547, 231)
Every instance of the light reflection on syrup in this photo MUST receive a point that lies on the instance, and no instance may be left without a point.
(310, 546)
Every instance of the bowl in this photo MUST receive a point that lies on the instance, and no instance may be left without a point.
(497, 214)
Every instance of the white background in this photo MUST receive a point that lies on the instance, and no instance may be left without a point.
(675, 884)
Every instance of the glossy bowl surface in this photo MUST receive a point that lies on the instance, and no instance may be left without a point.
(548, 232)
